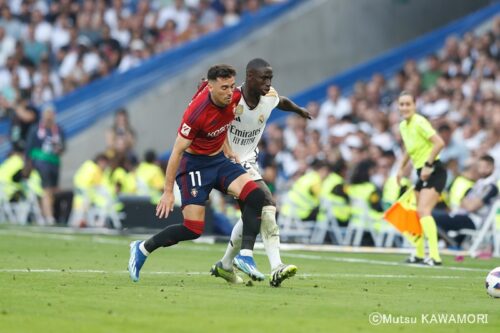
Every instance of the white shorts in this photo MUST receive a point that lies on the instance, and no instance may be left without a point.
(253, 169)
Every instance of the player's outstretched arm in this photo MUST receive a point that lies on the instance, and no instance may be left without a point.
(166, 204)
(288, 105)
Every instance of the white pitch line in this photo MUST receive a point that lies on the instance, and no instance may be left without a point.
(98, 239)
(379, 262)
(305, 275)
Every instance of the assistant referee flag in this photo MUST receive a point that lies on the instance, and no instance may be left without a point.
(403, 214)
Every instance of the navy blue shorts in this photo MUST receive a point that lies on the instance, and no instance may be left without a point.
(199, 174)
(48, 172)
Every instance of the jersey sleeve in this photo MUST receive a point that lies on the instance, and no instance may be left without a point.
(274, 95)
(425, 128)
(190, 125)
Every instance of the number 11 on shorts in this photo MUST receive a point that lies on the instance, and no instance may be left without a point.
(193, 179)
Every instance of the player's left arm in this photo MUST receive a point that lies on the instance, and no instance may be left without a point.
(288, 105)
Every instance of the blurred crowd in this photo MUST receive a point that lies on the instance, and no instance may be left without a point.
(457, 89)
(350, 148)
(50, 47)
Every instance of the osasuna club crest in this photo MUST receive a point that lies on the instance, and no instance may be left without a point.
(194, 192)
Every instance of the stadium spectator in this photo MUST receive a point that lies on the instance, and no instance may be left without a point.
(363, 193)
(44, 147)
(304, 196)
(335, 105)
(85, 40)
(150, 177)
(7, 46)
(87, 181)
(477, 203)
(120, 138)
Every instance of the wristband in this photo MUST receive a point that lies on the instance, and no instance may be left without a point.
(429, 165)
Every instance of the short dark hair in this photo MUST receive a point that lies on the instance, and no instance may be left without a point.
(101, 157)
(317, 164)
(122, 111)
(444, 128)
(150, 156)
(487, 158)
(257, 63)
(220, 71)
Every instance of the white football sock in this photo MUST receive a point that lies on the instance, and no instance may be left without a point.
(233, 246)
(247, 253)
(270, 233)
(143, 249)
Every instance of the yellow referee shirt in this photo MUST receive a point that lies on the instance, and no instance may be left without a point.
(416, 135)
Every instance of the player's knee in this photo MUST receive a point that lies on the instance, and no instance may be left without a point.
(423, 211)
(269, 215)
(269, 200)
(252, 195)
(195, 227)
(269, 226)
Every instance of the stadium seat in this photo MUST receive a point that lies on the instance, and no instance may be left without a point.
(292, 228)
(7, 212)
(329, 226)
(382, 233)
(489, 233)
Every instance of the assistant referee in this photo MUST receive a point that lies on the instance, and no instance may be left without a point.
(422, 145)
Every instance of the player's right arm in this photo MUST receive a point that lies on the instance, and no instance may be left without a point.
(229, 152)
(166, 204)
(402, 167)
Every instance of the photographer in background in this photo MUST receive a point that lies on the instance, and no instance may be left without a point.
(22, 117)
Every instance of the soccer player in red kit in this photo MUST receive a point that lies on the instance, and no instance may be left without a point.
(198, 165)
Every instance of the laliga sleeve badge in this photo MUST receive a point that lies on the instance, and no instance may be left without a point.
(185, 129)
(194, 192)
(238, 110)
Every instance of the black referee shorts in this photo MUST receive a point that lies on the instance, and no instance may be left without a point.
(437, 179)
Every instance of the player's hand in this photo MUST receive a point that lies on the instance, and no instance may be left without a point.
(426, 173)
(166, 205)
(304, 113)
(232, 156)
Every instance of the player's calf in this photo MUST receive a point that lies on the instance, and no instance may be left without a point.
(171, 235)
(253, 198)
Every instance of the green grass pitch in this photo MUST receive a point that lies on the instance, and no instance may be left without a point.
(79, 283)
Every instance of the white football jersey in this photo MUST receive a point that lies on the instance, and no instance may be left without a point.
(248, 126)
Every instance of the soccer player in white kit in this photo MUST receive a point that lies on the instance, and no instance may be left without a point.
(258, 100)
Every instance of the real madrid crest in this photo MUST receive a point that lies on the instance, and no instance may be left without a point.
(239, 110)
(194, 192)
(261, 119)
